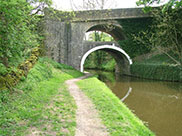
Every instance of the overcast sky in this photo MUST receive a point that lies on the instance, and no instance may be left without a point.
(70, 4)
(66, 4)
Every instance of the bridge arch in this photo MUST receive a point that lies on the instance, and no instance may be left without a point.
(121, 57)
(111, 28)
(64, 38)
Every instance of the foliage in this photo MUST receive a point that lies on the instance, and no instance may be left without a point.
(99, 36)
(118, 119)
(131, 29)
(160, 59)
(158, 67)
(157, 71)
(104, 75)
(10, 77)
(166, 34)
(18, 32)
(38, 5)
(38, 105)
(170, 4)
(109, 65)
(92, 4)
(3, 69)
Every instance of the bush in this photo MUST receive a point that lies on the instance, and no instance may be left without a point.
(3, 70)
(155, 71)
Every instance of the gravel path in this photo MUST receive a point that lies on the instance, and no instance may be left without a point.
(87, 120)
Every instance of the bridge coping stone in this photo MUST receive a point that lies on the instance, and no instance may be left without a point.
(95, 15)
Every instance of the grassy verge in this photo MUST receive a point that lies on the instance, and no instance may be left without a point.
(40, 104)
(118, 119)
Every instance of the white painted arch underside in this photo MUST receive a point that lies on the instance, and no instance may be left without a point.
(112, 47)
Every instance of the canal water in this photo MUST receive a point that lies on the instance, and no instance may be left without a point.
(157, 103)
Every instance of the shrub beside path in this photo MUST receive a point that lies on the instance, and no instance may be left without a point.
(87, 118)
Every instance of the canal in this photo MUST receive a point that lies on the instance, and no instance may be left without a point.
(157, 103)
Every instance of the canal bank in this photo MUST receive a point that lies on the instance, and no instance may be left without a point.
(115, 115)
(41, 105)
(157, 103)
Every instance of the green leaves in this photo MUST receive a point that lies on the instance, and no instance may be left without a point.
(13, 27)
(166, 34)
(3, 69)
(18, 28)
(169, 5)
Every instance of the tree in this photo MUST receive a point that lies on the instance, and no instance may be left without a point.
(18, 28)
(38, 5)
(170, 4)
(92, 4)
(166, 34)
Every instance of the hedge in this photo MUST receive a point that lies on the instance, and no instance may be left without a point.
(157, 72)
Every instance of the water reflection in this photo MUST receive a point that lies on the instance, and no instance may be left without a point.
(128, 93)
(158, 103)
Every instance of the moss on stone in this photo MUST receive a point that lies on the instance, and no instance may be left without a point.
(13, 77)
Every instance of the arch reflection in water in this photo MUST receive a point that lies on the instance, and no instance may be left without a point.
(128, 93)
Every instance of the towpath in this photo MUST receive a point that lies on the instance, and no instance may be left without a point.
(87, 118)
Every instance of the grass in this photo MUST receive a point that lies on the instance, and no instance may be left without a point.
(118, 119)
(40, 104)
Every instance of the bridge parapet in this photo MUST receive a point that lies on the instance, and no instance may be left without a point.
(97, 43)
(87, 45)
(97, 15)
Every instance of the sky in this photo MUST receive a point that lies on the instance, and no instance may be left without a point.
(66, 4)
(77, 4)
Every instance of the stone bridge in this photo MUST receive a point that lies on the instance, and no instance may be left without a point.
(65, 33)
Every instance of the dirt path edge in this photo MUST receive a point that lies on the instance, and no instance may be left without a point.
(87, 118)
